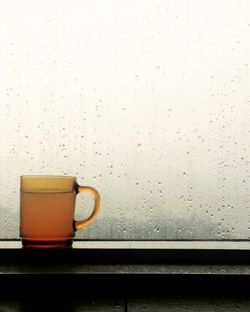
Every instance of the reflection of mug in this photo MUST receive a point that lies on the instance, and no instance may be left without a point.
(47, 210)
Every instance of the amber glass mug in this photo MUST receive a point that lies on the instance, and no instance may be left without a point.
(47, 208)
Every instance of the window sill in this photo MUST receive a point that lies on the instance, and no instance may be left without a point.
(174, 257)
(128, 267)
(94, 244)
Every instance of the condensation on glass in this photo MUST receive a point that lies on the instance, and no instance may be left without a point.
(147, 101)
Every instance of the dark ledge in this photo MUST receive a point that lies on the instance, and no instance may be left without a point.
(156, 257)
(132, 267)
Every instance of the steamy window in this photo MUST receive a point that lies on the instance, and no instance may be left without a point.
(148, 101)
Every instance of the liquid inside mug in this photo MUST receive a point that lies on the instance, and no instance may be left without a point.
(47, 209)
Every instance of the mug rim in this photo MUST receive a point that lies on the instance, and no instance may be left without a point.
(33, 176)
(47, 183)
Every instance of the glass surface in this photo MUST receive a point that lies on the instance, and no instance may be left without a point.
(147, 101)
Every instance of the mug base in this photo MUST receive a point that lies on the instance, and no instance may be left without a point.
(28, 243)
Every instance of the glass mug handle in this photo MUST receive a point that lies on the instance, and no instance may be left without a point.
(82, 223)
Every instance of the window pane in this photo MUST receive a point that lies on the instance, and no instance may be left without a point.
(147, 101)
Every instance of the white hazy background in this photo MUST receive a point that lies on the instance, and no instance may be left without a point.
(147, 101)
